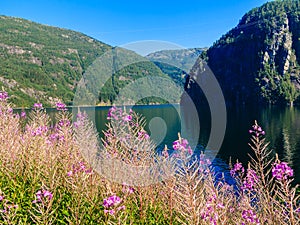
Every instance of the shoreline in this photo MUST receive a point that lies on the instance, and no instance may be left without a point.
(101, 106)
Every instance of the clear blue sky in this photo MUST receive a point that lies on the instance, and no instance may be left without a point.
(188, 23)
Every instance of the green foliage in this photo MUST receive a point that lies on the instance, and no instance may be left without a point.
(276, 88)
(288, 90)
(41, 63)
(127, 75)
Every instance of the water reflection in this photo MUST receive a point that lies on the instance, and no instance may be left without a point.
(282, 126)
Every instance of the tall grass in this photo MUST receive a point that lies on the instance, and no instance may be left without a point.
(46, 178)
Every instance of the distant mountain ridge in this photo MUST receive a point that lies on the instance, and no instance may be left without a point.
(176, 63)
(259, 59)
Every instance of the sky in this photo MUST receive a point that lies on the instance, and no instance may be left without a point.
(187, 23)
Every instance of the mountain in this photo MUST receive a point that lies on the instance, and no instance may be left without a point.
(176, 63)
(41, 63)
(258, 61)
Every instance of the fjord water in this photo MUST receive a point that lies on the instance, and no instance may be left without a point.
(281, 124)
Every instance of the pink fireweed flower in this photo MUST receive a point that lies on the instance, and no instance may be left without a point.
(89, 171)
(23, 114)
(54, 137)
(127, 189)
(113, 200)
(47, 194)
(112, 113)
(176, 145)
(143, 135)
(190, 151)
(39, 131)
(257, 131)
(250, 180)
(63, 123)
(3, 96)
(70, 173)
(9, 110)
(80, 167)
(238, 167)
(211, 210)
(42, 195)
(281, 171)
(111, 204)
(112, 212)
(61, 106)
(127, 118)
(37, 106)
(250, 217)
(184, 142)
(221, 206)
(182, 145)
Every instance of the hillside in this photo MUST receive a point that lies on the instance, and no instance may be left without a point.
(176, 63)
(259, 59)
(40, 63)
(43, 63)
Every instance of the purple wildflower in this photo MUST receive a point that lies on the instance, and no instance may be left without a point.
(182, 145)
(80, 167)
(61, 106)
(143, 135)
(39, 131)
(238, 167)
(65, 123)
(9, 110)
(70, 173)
(127, 189)
(257, 131)
(37, 106)
(111, 203)
(250, 180)
(54, 137)
(176, 145)
(127, 118)
(47, 194)
(3, 96)
(113, 200)
(281, 171)
(42, 195)
(23, 114)
(250, 216)
(111, 112)
(112, 212)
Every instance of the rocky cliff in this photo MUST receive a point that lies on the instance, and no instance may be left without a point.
(258, 60)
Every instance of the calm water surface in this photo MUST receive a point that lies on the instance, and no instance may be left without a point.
(282, 126)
